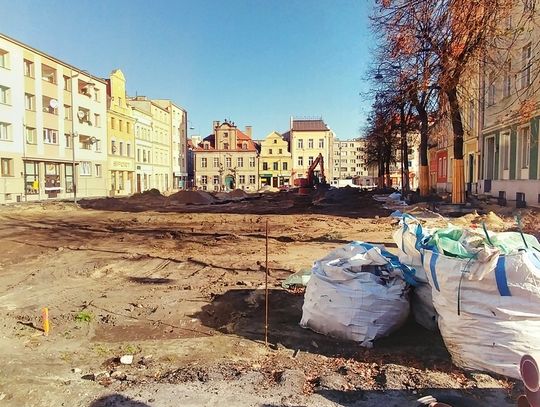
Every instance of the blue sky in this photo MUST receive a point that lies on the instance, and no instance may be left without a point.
(255, 62)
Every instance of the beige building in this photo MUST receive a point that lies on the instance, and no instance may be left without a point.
(226, 159)
(275, 161)
(350, 162)
(161, 142)
(307, 139)
(52, 115)
(121, 137)
(178, 130)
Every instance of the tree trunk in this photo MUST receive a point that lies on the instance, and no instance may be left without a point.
(405, 187)
(388, 179)
(424, 163)
(458, 173)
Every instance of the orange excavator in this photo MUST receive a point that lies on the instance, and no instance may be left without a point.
(311, 180)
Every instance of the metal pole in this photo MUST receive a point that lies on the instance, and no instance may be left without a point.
(266, 291)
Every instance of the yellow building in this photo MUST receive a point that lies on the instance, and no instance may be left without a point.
(275, 161)
(121, 137)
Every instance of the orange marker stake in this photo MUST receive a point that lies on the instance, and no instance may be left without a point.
(45, 316)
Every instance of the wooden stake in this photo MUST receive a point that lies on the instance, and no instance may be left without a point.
(266, 291)
(45, 317)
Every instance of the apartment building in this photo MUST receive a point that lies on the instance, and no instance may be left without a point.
(52, 127)
(275, 161)
(509, 139)
(121, 137)
(226, 159)
(178, 129)
(144, 149)
(350, 162)
(161, 141)
(307, 139)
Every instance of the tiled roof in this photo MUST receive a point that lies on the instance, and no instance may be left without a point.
(309, 125)
(240, 139)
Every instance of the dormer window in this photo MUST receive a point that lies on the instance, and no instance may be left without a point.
(225, 135)
(206, 145)
(225, 146)
(244, 146)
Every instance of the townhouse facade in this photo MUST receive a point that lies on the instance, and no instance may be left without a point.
(52, 127)
(226, 159)
(144, 149)
(178, 143)
(509, 138)
(307, 139)
(121, 137)
(161, 141)
(275, 161)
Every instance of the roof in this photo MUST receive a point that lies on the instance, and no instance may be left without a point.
(240, 139)
(309, 125)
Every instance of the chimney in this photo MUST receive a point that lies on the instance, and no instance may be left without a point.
(248, 131)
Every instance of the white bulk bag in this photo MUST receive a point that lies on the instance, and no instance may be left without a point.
(346, 299)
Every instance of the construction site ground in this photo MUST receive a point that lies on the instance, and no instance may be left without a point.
(181, 287)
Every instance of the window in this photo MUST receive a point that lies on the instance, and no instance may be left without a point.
(31, 177)
(48, 74)
(284, 166)
(270, 151)
(507, 80)
(31, 135)
(240, 162)
(85, 168)
(265, 166)
(6, 167)
(28, 68)
(526, 66)
(4, 58)
(5, 95)
(310, 160)
(300, 161)
(96, 94)
(321, 143)
(67, 83)
(472, 112)
(216, 162)
(505, 151)
(204, 179)
(50, 136)
(252, 179)
(491, 90)
(67, 112)
(113, 123)
(228, 162)
(242, 179)
(5, 131)
(121, 148)
(113, 147)
(206, 145)
(97, 120)
(144, 156)
(280, 151)
(29, 102)
(67, 137)
(204, 162)
(128, 150)
(276, 166)
(310, 143)
(128, 127)
(69, 177)
(244, 145)
(252, 162)
(120, 125)
(225, 146)
(216, 179)
(98, 170)
(300, 143)
(524, 147)
(49, 105)
(275, 141)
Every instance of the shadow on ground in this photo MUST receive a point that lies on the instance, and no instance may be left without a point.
(241, 312)
(117, 400)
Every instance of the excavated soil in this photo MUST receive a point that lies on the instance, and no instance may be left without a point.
(181, 287)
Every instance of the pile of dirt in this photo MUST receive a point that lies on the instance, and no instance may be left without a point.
(151, 196)
(238, 193)
(192, 198)
(492, 221)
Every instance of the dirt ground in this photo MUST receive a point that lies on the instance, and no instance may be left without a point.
(181, 287)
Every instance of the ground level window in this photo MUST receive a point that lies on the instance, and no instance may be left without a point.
(68, 170)
(31, 177)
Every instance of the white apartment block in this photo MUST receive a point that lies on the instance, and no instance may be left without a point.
(144, 171)
(52, 115)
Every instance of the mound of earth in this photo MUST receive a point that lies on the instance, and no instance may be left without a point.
(192, 198)
(238, 193)
(492, 221)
